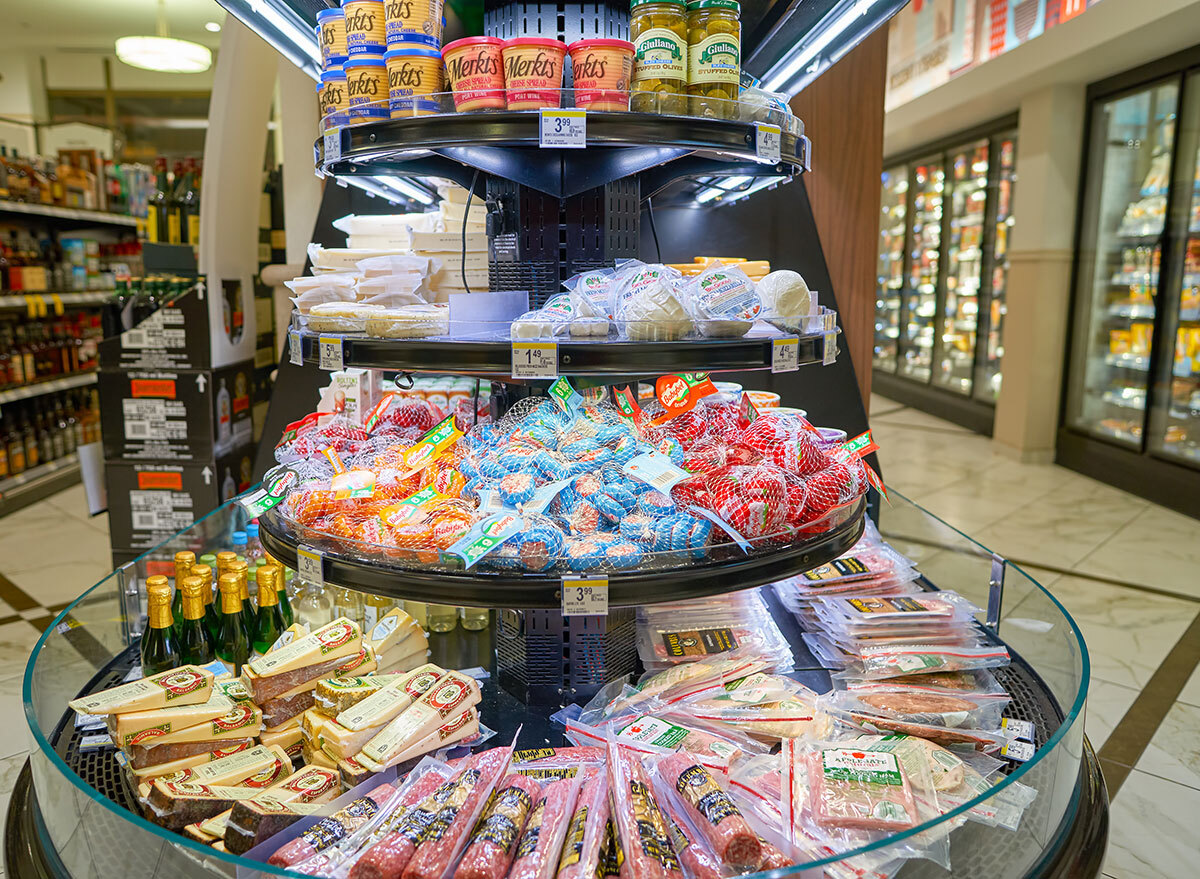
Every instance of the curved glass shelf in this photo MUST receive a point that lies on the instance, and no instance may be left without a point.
(83, 801)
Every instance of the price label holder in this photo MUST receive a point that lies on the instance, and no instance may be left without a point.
(308, 565)
(330, 350)
(332, 148)
(535, 359)
(294, 355)
(829, 354)
(785, 354)
(584, 596)
(563, 129)
(768, 141)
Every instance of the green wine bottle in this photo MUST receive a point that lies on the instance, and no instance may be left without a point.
(285, 603)
(194, 646)
(158, 649)
(270, 615)
(233, 647)
(183, 569)
(240, 568)
(212, 609)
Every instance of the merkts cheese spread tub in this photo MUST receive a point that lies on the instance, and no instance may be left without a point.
(366, 88)
(412, 21)
(331, 34)
(475, 73)
(533, 72)
(413, 70)
(364, 27)
(601, 70)
(332, 99)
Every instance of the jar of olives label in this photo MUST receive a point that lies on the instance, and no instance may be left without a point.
(659, 53)
(714, 60)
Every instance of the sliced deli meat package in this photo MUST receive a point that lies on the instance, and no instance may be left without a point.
(918, 706)
(885, 661)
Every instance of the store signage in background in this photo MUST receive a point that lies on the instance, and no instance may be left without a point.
(932, 41)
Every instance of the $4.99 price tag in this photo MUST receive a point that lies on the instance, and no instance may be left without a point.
(330, 350)
(308, 565)
(535, 359)
(584, 596)
(785, 354)
(768, 141)
(563, 129)
(829, 355)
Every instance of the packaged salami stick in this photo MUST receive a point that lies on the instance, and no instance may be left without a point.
(585, 833)
(541, 841)
(641, 829)
(712, 812)
(493, 843)
(329, 830)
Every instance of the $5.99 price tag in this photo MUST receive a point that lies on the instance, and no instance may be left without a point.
(785, 354)
(584, 596)
(768, 141)
(535, 359)
(563, 129)
(330, 351)
(308, 565)
(294, 355)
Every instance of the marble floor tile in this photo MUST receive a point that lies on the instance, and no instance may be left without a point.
(1128, 633)
(60, 582)
(17, 640)
(1152, 829)
(1159, 548)
(1191, 690)
(1106, 705)
(12, 711)
(1174, 752)
(73, 501)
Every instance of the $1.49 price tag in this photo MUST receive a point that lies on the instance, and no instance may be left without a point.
(768, 141)
(308, 565)
(563, 129)
(330, 350)
(535, 359)
(584, 596)
(785, 354)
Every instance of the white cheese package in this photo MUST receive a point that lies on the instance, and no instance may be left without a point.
(548, 322)
(591, 301)
(787, 302)
(723, 301)
(409, 322)
(648, 303)
(399, 264)
(386, 224)
(340, 317)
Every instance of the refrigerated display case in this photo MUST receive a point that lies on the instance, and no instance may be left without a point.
(946, 352)
(1132, 401)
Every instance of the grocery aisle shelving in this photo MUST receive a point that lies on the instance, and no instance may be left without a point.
(75, 215)
(50, 386)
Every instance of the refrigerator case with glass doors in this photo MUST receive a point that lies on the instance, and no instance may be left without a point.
(893, 229)
(993, 306)
(920, 294)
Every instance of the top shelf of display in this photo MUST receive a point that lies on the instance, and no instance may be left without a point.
(563, 149)
(72, 216)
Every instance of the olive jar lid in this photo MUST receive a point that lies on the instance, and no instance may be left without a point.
(634, 4)
(731, 5)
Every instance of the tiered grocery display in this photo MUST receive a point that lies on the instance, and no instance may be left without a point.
(580, 489)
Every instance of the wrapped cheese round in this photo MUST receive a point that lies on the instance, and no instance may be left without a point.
(649, 305)
(546, 322)
(409, 322)
(786, 300)
(724, 301)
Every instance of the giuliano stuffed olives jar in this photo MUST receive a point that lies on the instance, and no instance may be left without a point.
(658, 30)
(714, 57)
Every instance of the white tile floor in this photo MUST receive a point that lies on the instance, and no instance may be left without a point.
(1038, 515)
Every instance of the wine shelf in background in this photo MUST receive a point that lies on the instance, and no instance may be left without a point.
(37, 389)
(88, 297)
(38, 482)
(78, 215)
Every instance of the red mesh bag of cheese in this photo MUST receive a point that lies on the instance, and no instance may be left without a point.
(706, 455)
(688, 427)
(724, 416)
(411, 412)
(754, 500)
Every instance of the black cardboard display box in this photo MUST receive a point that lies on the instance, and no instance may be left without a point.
(187, 415)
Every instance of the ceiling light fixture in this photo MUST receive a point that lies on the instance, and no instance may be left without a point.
(163, 53)
(212, 26)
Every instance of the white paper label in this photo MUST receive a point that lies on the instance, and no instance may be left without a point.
(1019, 751)
(333, 146)
(829, 355)
(584, 596)
(535, 360)
(564, 128)
(308, 565)
(1017, 729)
(330, 348)
(768, 140)
(91, 743)
(294, 355)
(785, 354)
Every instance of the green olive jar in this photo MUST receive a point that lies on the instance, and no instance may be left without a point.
(714, 31)
(658, 30)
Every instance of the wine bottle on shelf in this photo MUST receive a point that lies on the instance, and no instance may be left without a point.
(157, 207)
(475, 619)
(212, 609)
(285, 581)
(442, 617)
(270, 624)
(159, 650)
(241, 569)
(194, 646)
(313, 607)
(233, 646)
(184, 561)
(175, 219)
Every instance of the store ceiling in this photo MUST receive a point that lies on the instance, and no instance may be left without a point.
(94, 24)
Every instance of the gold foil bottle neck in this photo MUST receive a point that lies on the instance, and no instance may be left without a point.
(193, 601)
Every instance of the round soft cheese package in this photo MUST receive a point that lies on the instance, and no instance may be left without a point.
(654, 309)
(340, 317)
(546, 322)
(724, 301)
(786, 300)
(409, 322)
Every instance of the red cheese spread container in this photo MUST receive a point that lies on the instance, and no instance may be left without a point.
(600, 72)
(475, 73)
(533, 72)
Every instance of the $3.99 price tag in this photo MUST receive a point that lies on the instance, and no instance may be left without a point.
(535, 359)
(785, 354)
(332, 146)
(584, 596)
(563, 129)
(308, 565)
(330, 351)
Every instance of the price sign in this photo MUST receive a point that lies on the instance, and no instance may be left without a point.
(563, 129)
(294, 356)
(333, 145)
(535, 359)
(785, 354)
(829, 355)
(1021, 752)
(584, 596)
(308, 565)
(768, 140)
(330, 350)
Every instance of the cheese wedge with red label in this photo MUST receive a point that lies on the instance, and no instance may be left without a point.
(133, 727)
(243, 720)
(341, 638)
(283, 738)
(380, 707)
(394, 629)
(335, 695)
(149, 773)
(464, 726)
(171, 804)
(317, 757)
(364, 664)
(185, 685)
(353, 772)
(234, 689)
(453, 694)
(258, 767)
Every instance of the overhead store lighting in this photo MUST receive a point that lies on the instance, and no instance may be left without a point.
(733, 189)
(163, 53)
(283, 28)
(212, 26)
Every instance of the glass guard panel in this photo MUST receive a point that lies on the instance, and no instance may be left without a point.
(991, 328)
(920, 294)
(1175, 421)
(893, 217)
(1120, 249)
(964, 267)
